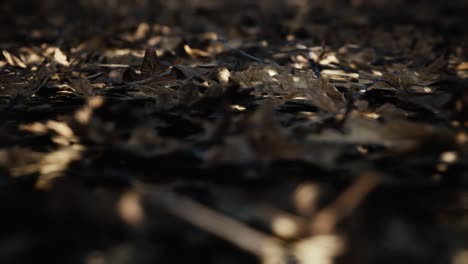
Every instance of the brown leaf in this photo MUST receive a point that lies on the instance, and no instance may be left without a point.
(116, 76)
(258, 137)
(25, 84)
(190, 72)
(405, 79)
(389, 110)
(254, 75)
(82, 86)
(130, 75)
(320, 92)
(151, 66)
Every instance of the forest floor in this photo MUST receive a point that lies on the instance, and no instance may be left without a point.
(233, 133)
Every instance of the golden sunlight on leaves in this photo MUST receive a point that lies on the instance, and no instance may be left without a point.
(49, 166)
(279, 85)
(55, 163)
(320, 92)
(35, 128)
(64, 137)
(305, 198)
(270, 131)
(84, 114)
(223, 76)
(130, 209)
(195, 52)
(13, 60)
(61, 128)
(460, 257)
(319, 249)
(449, 157)
(61, 58)
(285, 227)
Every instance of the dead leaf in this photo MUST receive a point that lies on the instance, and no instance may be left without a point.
(319, 92)
(82, 86)
(190, 72)
(253, 76)
(61, 58)
(258, 137)
(388, 110)
(223, 76)
(151, 67)
(462, 66)
(13, 60)
(25, 84)
(192, 52)
(49, 165)
(140, 33)
(405, 79)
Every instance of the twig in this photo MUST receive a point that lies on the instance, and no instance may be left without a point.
(327, 219)
(224, 42)
(266, 247)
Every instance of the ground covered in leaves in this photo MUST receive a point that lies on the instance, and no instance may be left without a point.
(216, 132)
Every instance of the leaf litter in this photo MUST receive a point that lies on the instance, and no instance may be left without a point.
(265, 131)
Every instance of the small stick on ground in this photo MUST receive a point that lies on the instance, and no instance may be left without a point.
(266, 247)
(327, 219)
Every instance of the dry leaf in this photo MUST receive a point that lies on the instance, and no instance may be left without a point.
(151, 67)
(82, 86)
(319, 92)
(223, 76)
(49, 165)
(259, 138)
(253, 76)
(25, 85)
(405, 79)
(13, 60)
(61, 58)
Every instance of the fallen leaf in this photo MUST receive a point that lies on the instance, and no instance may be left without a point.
(82, 86)
(319, 92)
(151, 66)
(405, 79)
(61, 58)
(13, 60)
(25, 84)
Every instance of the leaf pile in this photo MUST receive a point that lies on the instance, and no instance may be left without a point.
(265, 131)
